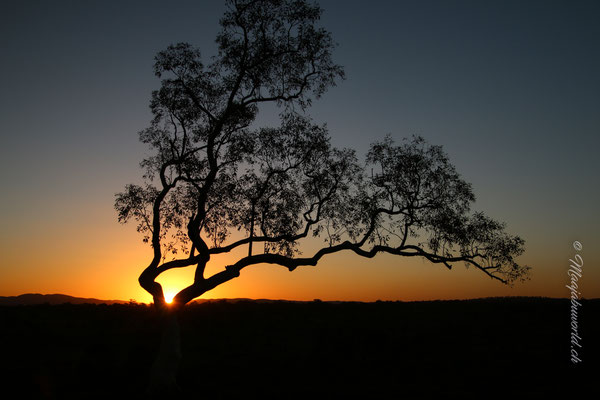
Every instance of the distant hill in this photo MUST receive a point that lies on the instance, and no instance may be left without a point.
(36, 298)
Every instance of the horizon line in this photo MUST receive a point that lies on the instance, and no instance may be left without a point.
(134, 301)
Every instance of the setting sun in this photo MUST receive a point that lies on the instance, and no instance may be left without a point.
(169, 296)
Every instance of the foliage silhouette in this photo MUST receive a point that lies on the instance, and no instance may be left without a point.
(213, 176)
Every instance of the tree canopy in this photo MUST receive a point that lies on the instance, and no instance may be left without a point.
(215, 182)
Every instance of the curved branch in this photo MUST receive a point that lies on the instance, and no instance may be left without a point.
(292, 263)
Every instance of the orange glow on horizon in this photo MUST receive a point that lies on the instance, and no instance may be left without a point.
(111, 272)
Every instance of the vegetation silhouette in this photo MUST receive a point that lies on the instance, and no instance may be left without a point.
(215, 184)
(288, 350)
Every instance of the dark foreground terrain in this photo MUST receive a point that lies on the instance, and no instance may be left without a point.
(513, 346)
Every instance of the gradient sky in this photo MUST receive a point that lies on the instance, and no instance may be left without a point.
(511, 89)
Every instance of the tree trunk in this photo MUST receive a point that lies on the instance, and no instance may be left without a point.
(163, 375)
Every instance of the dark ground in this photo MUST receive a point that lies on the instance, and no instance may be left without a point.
(512, 346)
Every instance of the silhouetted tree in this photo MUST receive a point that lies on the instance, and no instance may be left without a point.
(215, 184)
